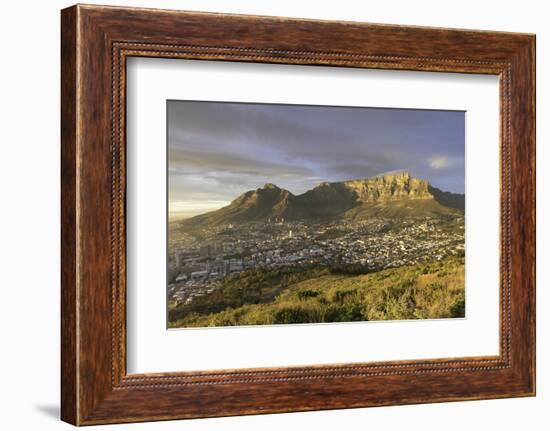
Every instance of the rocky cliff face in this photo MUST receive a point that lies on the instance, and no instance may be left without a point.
(389, 187)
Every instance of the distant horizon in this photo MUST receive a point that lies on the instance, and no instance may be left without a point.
(219, 150)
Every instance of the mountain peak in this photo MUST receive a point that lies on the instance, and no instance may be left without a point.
(270, 186)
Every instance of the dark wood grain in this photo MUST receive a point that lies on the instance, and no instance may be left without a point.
(69, 397)
(96, 41)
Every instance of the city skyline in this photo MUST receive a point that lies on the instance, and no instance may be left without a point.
(217, 151)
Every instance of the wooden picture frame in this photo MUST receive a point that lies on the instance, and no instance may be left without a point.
(95, 43)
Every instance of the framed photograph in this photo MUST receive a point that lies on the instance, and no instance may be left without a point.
(265, 215)
(355, 240)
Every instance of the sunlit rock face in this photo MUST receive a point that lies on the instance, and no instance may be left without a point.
(389, 187)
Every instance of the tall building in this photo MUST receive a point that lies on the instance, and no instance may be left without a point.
(206, 250)
(178, 259)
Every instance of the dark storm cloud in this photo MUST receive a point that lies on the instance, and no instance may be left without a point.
(219, 150)
(204, 162)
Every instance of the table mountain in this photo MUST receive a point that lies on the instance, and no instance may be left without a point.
(392, 195)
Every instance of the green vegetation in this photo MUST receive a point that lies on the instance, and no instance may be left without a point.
(402, 209)
(426, 291)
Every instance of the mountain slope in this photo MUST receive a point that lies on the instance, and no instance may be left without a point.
(448, 199)
(391, 195)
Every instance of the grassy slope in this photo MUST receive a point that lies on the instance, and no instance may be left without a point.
(401, 209)
(434, 290)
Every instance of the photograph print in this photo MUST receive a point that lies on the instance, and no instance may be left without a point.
(301, 214)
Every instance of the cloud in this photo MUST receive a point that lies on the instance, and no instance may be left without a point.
(189, 161)
(219, 150)
(440, 162)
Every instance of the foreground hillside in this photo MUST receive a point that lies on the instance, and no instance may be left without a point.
(426, 291)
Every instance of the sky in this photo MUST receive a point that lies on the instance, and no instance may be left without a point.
(217, 151)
